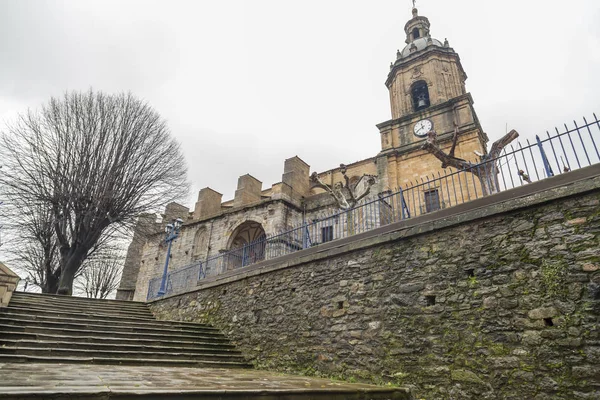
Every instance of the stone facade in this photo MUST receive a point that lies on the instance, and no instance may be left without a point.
(213, 226)
(200, 239)
(499, 298)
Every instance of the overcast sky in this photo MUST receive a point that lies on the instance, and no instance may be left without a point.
(246, 84)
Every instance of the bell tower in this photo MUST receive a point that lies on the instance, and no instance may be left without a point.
(427, 91)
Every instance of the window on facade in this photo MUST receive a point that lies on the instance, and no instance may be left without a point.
(420, 95)
(326, 234)
(415, 33)
(432, 200)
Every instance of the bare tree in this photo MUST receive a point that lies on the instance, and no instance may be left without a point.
(97, 161)
(345, 196)
(100, 275)
(486, 171)
(34, 247)
(31, 243)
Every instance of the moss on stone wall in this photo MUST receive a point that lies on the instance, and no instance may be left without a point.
(502, 307)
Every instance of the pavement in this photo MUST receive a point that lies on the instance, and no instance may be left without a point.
(80, 381)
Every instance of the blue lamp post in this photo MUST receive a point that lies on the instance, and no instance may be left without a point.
(172, 231)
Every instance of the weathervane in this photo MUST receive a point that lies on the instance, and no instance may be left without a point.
(414, 5)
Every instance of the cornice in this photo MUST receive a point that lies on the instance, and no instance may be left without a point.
(418, 56)
(427, 111)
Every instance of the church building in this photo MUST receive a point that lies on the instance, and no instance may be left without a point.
(426, 84)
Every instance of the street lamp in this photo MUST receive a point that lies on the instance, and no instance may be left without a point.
(172, 231)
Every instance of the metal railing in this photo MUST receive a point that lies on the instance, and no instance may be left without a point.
(515, 166)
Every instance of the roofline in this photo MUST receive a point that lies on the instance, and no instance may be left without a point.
(403, 62)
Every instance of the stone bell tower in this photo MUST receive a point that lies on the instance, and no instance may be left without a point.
(427, 92)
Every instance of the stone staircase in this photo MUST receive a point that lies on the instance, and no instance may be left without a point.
(58, 347)
(40, 328)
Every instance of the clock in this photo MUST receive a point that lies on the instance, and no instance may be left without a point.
(423, 127)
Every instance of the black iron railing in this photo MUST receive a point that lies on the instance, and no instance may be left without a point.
(517, 165)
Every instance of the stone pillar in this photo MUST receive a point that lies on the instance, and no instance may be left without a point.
(248, 191)
(8, 284)
(382, 174)
(296, 174)
(208, 204)
(146, 225)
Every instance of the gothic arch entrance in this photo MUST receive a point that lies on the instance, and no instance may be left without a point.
(247, 245)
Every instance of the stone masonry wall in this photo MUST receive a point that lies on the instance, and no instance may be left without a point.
(499, 307)
(199, 240)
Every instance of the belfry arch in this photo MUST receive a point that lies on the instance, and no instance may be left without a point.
(246, 245)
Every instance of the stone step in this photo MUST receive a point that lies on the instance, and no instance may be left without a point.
(38, 310)
(9, 358)
(62, 329)
(141, 312)
(114, 328)
(24, 316)
(108, 333)
(28, 392)
(79, 300)
(119, 354)
(78, 315)
(171, 347)
(92, 340)
(103, 382)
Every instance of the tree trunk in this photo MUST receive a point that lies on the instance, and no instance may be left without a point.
(65, 285)
(71, 262)
(51, 284)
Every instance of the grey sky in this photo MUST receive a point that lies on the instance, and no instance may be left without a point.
(246, 84)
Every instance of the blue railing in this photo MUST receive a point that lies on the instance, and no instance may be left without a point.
(516, 165)
(180, 278)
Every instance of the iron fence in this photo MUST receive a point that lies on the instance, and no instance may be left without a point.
(176, 280)
(516, 165)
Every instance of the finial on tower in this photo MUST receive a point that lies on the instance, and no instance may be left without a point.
(414, 9)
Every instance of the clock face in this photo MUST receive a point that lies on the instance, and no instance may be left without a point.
(423, 127)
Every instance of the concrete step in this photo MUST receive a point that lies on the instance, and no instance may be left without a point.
(9, 358)
(131, 347)
(114, 328)
(93, 340)
(119, 354)
(24, 316)
(138, 312)
(110, 333)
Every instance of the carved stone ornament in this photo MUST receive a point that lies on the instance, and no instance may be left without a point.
(386, 141)
(417, 72)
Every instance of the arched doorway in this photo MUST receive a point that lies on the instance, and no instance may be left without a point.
(247, 245)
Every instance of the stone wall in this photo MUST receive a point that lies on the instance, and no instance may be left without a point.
(8, 284)
(497, 300)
